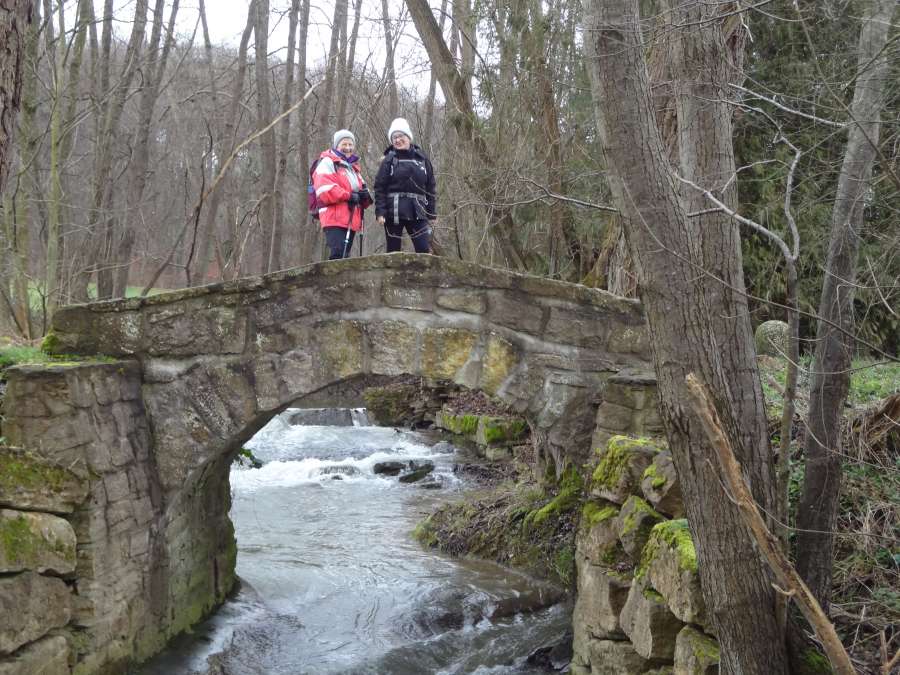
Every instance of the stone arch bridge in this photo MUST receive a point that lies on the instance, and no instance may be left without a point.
(181, 380)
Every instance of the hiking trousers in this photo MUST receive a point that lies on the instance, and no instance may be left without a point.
(334, 239)
(419, 232)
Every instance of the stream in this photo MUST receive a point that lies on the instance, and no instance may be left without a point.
(333, 582)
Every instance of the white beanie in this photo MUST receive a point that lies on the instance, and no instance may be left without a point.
(400, 124)
(341, 135)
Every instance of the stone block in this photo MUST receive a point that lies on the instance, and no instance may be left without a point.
(340, 347)
(661, 486)
(36, 541)
(520, 315)
(49, 656)
(772, 338)
(192, 327)
(696, 653)
(393, 347)
(611, 657)
(614, 417)
(500, 430)
(31, 606)
(408, 297)
(32, 483)
(472, 302)
(601, 596)
(629, 340)
(621, 467)
(648, 623)
(445, 351)
(597, 540)
(669, 565)
(635, 521)
(499, 361)
(569, 326)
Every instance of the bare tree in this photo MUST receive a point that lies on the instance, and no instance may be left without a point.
(389, 73)
(690, 320)
(817, 511)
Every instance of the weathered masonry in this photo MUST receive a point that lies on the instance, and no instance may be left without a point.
(187, 377)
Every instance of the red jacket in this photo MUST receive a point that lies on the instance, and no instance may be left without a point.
(331, 181)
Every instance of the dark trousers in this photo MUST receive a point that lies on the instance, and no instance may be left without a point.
(419, 232)
(336, 240)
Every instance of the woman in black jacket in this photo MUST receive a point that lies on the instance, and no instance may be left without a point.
(405, 193)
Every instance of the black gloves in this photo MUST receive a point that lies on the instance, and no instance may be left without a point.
(364, 196)
(354, 199)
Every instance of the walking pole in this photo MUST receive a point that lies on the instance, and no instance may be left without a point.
(347, 238)
(362, 229)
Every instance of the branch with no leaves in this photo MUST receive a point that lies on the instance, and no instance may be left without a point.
(195, 213)
(783, 569)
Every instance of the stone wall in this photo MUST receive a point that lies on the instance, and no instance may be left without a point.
(37, 563)
(639, 608)
(124, 595)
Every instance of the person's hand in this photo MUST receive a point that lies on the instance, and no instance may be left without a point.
(364, 195)
(353, 200)
(380, 220)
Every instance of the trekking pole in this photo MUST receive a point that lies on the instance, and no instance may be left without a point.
(362, 229)
(347, 238)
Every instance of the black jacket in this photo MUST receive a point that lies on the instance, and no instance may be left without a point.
(409, 172)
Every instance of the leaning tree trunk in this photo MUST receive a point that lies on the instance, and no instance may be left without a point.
(686, 322)
(817, 511)
(390, 77)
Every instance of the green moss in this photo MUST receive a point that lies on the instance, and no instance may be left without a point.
(502, 429)
(619, 450)
(593, 513)
(569, 496)
(51, 343)
(564, 565)
(814, 663)
(652, 594)
(638, 505)
(656, 481)
(424, 533)
(20, 545)
(20, 470)
(675, 535)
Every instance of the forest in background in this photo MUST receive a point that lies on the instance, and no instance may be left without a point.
(125, 124)
(728, 163)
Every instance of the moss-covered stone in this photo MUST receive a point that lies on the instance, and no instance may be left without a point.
(389, 406)
(696, 653)
(651, 473)
(594, 512)
(36, 541)
(621, 467)
(636, 520)
(500, 430)
(464, 424)
(674, 534)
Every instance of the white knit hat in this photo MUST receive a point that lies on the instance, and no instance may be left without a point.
(341, 135)
(400, 124)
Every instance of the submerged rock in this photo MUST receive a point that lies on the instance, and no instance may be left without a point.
(388, 468)
(417, 473)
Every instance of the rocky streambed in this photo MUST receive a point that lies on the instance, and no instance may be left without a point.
(333, 581)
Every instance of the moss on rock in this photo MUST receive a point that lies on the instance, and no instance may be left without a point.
(675, 535)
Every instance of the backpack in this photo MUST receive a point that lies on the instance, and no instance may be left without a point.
(312, 202)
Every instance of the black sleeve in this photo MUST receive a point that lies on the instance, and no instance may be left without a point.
(382, 178)
(431, 192)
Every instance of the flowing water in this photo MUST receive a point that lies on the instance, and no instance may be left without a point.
(334, 583)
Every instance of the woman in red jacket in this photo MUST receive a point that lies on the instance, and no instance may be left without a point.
(341, 194)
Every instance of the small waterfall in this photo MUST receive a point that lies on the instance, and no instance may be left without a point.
(360, 417)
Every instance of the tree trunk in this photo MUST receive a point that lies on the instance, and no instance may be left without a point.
(103, 180)
(18, 86)
(428, 131)
(15, 18)
(340, 18)
(347, 68)
(276, 260)
(267, 140)
(686, 319)
(458, 95)
(817, 511)
(389, 74)
(309, 230)
(140, 158)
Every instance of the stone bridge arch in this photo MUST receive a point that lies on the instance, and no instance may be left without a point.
(197, 372)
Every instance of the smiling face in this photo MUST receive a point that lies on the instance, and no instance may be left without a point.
(346, 146)
(400, 141)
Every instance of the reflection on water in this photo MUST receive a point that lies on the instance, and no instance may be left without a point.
(334, 583)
